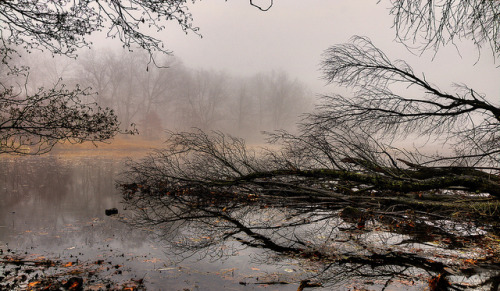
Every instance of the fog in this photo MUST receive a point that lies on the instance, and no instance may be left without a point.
(394, 181)
(293, 34)
(248, 71)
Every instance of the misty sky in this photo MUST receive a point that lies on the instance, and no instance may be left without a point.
(292, 35)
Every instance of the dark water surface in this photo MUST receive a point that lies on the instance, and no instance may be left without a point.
(54, 206)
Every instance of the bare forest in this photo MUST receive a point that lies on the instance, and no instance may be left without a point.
(153, 99)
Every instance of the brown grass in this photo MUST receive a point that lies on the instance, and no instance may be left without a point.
(132, 146)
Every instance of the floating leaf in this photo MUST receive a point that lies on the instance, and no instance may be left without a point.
(33, 284)
(153, 260)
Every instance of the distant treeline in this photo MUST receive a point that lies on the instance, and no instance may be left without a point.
(177, 97)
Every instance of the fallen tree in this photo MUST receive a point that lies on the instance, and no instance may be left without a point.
(344, 165)
(204, 193)
(200, 163)
(327, 243)
(344, 148)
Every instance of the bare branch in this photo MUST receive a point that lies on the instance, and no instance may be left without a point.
(389, 99)
(261, 8)
(433, 24)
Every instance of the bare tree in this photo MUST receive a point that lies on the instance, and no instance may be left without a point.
(343, 164)
(285, 99)
(41, 119)
(205, 192)
(242, 108)
(349, 139)
(94, 71)
(34, 123)
(432, 24)
(465, 118)
(157, 89)
(63, 26)
(203, 99)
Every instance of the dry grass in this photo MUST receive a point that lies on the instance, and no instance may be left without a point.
(133, 146)
(123, 146)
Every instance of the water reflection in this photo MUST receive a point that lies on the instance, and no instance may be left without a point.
(318, 244)
(54, 206)
(52, 193)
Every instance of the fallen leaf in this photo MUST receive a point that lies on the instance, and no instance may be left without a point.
(33, 284)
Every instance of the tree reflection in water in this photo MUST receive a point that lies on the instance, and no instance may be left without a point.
(333, 245)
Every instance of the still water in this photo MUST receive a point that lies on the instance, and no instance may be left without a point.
(53, 206)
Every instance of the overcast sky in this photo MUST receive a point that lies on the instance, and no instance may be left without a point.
(292, 35)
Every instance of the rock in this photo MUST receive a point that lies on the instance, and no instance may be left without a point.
(111, 211)
(354, 215)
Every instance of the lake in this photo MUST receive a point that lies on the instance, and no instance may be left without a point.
(53, 225)
(53, 206)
